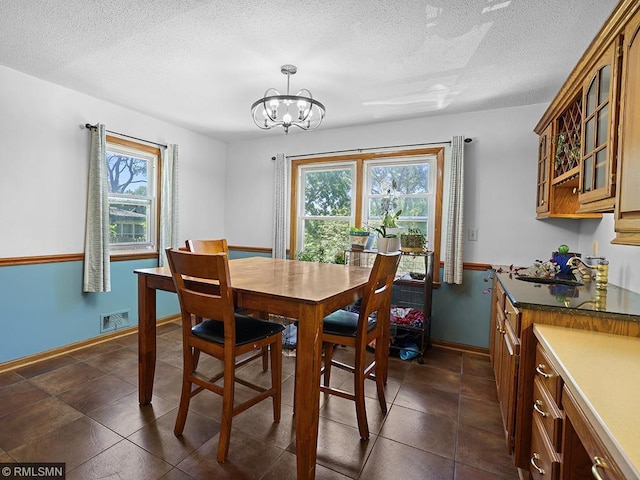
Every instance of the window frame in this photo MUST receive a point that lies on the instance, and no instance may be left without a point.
(122, 252)
(301, 216)
(359, 189)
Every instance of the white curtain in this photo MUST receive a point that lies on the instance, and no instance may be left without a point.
(169, 220)
(97, 268)
(280, 207)
(453, 262)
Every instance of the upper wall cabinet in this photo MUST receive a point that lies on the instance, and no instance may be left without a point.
(581, 133)
(627, 210)
(599, 125)
(544, 159)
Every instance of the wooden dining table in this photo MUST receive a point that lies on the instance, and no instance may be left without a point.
(307, 291)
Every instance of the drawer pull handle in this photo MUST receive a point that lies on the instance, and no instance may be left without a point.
(598, 462)
(541, 372)
(536, 407)
(533, 463)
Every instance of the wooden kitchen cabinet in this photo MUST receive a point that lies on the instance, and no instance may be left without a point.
(509, 360)
(544, 171)
(586, 123)
(599, 139)
(505, 356)
(547, 420)
(545, 461)
(559, 165)
(564, 443)
(627, 207)
(524, 375)
(588, 457)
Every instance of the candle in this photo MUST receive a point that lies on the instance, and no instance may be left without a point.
(595, 248)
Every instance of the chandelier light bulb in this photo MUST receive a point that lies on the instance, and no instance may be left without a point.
(273, 101)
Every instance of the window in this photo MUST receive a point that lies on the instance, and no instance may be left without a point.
(407, 183)
(332, 193)
(327, 209)
(132, 175)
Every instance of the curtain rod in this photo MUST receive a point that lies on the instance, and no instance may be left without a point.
(93, 127)
(361, 150)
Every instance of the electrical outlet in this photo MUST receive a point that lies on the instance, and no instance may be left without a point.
(473, 234)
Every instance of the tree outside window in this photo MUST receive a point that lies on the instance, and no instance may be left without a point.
(132, 195)
(334, 193)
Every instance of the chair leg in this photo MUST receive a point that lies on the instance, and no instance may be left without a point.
(265, 359)
(227, 408)
(383, 344)
(196, 359)
(265, 350)
(361, 412)
(380, 389)
(276, 378)
(185, 395)
(328, 357)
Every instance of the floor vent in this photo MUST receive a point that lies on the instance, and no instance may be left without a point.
(114, 321)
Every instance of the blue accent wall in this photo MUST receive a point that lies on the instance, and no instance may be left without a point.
(461, 313)
(42, 306)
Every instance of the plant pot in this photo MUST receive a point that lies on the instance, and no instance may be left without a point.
(388, 244)
(561, 259)
(358, 240)
(412, 242)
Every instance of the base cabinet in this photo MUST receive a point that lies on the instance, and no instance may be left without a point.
(505, 355)
(529, 387)
(588, 458)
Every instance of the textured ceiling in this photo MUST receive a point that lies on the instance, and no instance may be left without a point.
(201, 63)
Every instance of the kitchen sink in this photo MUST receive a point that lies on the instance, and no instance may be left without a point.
(550, 281)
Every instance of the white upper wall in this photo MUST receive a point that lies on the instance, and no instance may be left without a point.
(44, 166)
(500, 186)
(227, 190)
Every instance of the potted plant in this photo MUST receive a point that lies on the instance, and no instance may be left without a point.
(358, 238)
(388, 240)
(413, 241)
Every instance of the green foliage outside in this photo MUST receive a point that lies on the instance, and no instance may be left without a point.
(328, 194)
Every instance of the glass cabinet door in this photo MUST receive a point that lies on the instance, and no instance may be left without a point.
(544, 171)
(598, 149)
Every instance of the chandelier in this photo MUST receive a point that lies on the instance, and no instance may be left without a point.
(275, 110)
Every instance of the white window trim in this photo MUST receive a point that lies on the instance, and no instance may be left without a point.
(152, 198)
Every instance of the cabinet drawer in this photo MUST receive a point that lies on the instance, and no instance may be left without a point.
(548, 412)
(512, 314)
(600, 463)
(548, 375)
(545, 462)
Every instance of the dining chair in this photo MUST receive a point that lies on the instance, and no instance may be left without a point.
(203, 284)
(220, 245)
(208, 246)
(358, 330)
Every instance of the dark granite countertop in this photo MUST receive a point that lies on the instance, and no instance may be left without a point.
(614, 302)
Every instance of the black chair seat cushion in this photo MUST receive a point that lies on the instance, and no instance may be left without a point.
(342, 322)
(248, 329)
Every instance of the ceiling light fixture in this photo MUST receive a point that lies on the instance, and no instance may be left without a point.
(275, 109)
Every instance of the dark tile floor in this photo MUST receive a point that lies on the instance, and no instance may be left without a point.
(82, 409)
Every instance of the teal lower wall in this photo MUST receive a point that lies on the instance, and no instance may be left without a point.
(42, 306)
(461, 313)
